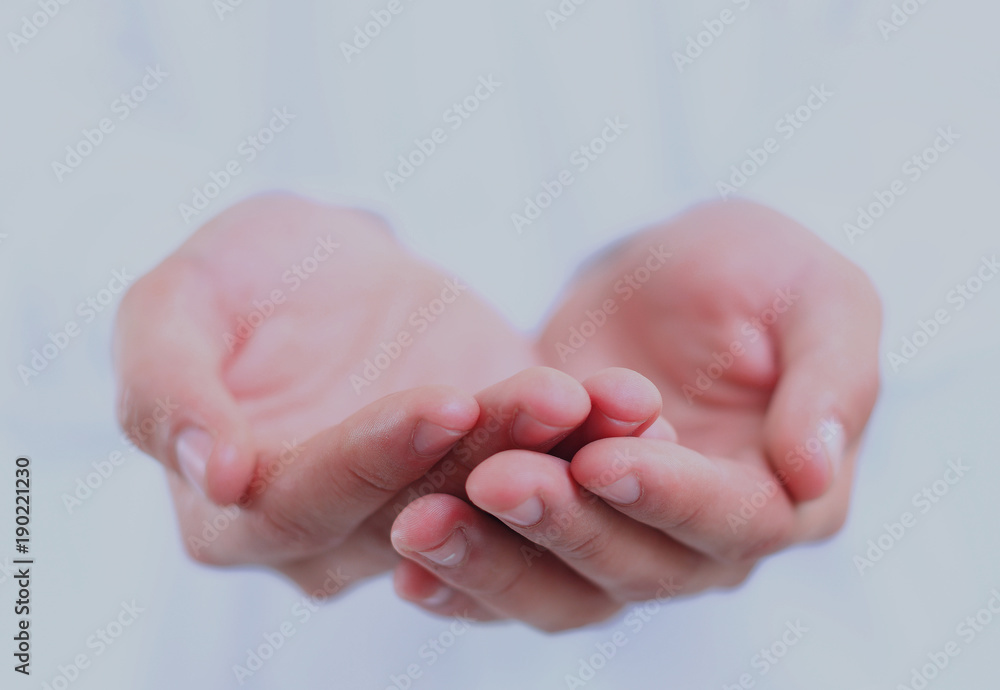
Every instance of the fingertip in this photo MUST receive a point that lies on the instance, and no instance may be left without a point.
(426, 522)
(403, 524)
(809, 466)
(450, 414)
(623, 403)
(508, 479)
(548, 406)
(553, 397)
(451, 408)
(604, 461)
(230, 470)
(659, 430)
(624, 395)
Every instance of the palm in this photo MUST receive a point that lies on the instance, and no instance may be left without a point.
(303, 366)
(712, 297)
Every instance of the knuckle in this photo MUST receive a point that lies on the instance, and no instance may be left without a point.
(358, 447)
(588, 546)
(685, 515)
(292, 534)
(369, 479)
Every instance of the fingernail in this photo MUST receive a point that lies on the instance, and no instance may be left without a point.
(451, 552)
(831, 433)
(525, 515)
(621, 428)
(194, 446)
(625, 491)
(528, 432)
(431, 439)
(439, 597)
(660, 430)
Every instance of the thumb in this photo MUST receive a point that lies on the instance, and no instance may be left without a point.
(172, 400)
(828, 350)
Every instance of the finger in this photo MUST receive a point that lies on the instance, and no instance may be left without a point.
(536, 408)
(347, 472)
(421, 587)
(623, 402)
(172, 399)
(474, 554)
(731, 510)
(828, 349)
(537, 496)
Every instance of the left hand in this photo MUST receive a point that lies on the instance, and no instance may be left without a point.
(763, 344)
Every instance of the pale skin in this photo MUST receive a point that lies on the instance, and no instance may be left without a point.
(478, 424)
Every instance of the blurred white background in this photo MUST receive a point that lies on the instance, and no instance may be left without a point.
(224, 67)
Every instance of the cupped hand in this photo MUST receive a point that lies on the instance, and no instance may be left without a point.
(255, 364)
(763, 344)
(291, 358)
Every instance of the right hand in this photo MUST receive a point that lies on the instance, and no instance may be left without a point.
(228, 408)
